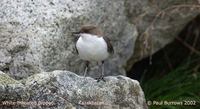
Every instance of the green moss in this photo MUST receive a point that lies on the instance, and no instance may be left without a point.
(5, 79)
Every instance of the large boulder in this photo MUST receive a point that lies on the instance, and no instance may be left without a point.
(35, 35)
(66, 90)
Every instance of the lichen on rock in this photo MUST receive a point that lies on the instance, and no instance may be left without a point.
(65, 89)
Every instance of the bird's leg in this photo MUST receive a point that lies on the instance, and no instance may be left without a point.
(102, 73)
(86, 68)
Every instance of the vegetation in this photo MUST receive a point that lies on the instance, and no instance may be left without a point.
(180, 85)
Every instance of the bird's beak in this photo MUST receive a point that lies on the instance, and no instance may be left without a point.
(75, 34)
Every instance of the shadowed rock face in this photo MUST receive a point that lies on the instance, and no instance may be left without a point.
(158, 23)
(64, 89)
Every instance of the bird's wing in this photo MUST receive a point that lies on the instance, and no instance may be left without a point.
(76, 37)
(109, 45)
(76, 49)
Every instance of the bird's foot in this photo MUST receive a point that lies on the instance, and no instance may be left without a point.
(101, 78)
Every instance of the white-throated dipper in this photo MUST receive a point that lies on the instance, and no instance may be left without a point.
(92, 45)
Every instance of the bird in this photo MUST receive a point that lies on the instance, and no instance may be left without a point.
(92, 45)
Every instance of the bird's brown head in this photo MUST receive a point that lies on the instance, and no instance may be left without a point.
(90, 29)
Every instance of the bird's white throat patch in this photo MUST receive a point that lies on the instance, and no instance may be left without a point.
(92, 47)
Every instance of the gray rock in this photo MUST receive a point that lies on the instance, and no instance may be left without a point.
(66, 90)
(36, 34)
(5, 59)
